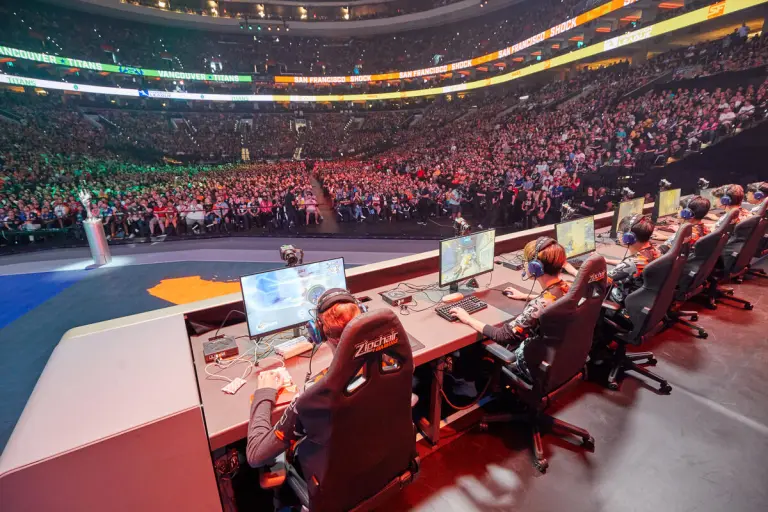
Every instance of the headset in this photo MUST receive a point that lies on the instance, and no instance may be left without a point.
(756, 192)
(686, 213)
(628, 237)
(328, 298)
(535, 266)
(725, 199)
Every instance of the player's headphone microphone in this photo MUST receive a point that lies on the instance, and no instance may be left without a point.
(628, 237)
(535, 267)
(686, 213)
(328, 298)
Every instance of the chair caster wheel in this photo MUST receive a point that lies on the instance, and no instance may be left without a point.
(695, 318)
(748, 306)
(665, 388)
(613, 385)
(541, 465)
(703, 335)
(588, 443)
(652, 361)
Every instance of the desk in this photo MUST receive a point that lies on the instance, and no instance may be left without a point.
(226, 416)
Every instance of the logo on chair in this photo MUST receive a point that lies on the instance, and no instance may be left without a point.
(375, 345)
(598, 276)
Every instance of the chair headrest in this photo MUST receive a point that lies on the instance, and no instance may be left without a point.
(592, 272)
(363, 341)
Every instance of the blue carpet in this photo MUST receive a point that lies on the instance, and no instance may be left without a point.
(23, 293)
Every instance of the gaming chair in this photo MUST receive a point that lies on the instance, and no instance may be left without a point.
(557, 356)
(696, 273)
(646, 309)
(360, 446)
(762, 249)
(737, 257)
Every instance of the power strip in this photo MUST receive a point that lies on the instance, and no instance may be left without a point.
(294, 347)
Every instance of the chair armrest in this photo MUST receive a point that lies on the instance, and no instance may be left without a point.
(615, 326)
(613, 306)
(273, 476)
(499, 352)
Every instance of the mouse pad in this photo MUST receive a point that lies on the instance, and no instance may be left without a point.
(495, 298)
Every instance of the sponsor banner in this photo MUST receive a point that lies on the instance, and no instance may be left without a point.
(112, 68)
(670, 25)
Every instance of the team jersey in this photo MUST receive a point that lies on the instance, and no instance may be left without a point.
(525, 326)
(697, 231)
(627, 276)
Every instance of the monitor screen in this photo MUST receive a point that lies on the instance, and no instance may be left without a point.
(627, 209)
(466, 256)
(283, 298)
(668, 203)
(576, 236)
(706, 193)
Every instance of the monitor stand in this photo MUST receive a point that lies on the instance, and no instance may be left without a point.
(453, 288)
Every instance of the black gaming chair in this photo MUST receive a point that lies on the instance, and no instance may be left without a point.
(737, 257)
(762, 249)
(360, 447)
(696, 273)
(646, 309)
(557, 356)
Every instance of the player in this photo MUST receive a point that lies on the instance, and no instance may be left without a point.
(266, 442)
(517, 333)
(699, 207)
(730, 198)
(756, 194)
(627, 274)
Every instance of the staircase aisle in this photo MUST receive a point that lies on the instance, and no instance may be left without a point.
(330, 222)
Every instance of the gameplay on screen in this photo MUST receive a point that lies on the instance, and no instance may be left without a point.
(576, 236)
(466, 256)
(283, 298)
(626, 209)
(669, 202)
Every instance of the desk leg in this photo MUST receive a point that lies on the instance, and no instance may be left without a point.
(431, 426)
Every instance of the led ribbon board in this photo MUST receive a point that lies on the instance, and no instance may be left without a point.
(565, 26)
(113, 68)
(664, 27)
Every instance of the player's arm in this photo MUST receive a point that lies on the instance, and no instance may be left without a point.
(570, 269)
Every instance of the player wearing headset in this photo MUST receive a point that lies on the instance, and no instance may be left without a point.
(544, 260)
(693, 212)
(730, 197)
(756, 193)
(627, 274)
(335, 309)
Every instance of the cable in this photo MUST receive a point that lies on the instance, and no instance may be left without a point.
(227, 318)
(469, 405)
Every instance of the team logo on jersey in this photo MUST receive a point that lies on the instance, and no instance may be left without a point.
(377, 344)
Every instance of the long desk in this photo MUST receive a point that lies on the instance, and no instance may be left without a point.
(226, 416)
(123, 413)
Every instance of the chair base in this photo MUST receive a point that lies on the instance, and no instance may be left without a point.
(632, 362)
(677, 317)
(718, 294)
(540, 421)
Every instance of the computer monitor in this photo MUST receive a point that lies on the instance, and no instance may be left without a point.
(576, 236)
(276, 300)
(667, 203)
(626, 209)
(706, 193)
(464, 257)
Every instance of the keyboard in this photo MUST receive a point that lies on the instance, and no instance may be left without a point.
(469, 304)
(577, 263)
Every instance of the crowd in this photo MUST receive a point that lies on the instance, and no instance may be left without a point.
(133, 200)
(49, 29)
(510, 156)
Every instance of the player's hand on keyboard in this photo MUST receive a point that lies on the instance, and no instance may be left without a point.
(460, 314)
(269, 379)
(515, 294)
